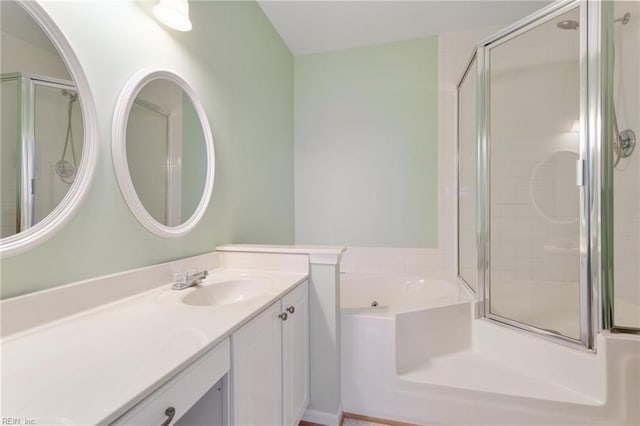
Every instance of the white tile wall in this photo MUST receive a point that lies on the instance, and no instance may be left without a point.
(533, 108)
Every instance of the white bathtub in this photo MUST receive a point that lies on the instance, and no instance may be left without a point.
(389, 294)
(421, 356)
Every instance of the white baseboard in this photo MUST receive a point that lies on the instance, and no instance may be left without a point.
(323, 418)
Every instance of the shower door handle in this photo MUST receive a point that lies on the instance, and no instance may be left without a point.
(580, 172)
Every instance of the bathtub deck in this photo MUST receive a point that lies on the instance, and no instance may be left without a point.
(471, 370)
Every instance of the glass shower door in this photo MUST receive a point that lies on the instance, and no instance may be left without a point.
(535, 211)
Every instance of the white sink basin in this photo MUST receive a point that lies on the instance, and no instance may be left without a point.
(227, 292)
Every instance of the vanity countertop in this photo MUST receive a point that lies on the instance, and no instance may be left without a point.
(91, 367)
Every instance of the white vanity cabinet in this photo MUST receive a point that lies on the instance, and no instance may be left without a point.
(295, 355)
(270, 364)
(175, 398)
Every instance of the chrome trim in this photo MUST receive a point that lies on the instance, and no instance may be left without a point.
(600, 156)
(186, 280)
(518, 25)
(482, 204)
(540, 333)
(469, 63)
(527, 25)
(625, 330)
(465, 74)
(586, 193)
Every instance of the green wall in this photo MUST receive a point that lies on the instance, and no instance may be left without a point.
(366, 146)
(243, 73)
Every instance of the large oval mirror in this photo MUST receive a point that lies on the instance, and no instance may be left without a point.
(163, 152)
(48, 131)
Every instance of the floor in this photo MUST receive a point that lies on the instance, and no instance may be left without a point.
(354, 422)
(357, 422)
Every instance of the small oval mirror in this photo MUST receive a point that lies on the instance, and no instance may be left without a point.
(163, 152)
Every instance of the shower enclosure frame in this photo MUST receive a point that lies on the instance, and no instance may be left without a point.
(606, 167)
(478, 291)
(594, 174)
(25, 191)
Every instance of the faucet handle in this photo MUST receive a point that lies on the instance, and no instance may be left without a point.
(202, 276)
(180, 277)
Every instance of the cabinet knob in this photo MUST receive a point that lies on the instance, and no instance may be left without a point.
(283, 316)
(169, 412)
(291, 309)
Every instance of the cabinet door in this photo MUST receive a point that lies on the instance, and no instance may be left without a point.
(257, 370)
(295, 354)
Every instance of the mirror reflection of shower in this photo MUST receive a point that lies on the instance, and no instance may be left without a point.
(64, 168)
(624, 142)
(41, 146)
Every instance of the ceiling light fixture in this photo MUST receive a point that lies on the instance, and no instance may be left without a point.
(173, 13)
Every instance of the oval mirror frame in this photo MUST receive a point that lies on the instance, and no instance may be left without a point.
(65, 210)
(119, 152)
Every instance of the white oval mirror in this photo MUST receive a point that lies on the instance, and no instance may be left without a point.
(48, 121)
(163, 152)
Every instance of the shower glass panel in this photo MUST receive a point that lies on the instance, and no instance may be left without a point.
(621, 22)
(467, 178)
(533, 106)
(10, 146)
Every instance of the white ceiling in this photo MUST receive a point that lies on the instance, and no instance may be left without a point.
(310, 26)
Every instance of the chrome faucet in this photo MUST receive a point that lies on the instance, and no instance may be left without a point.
(185, 280)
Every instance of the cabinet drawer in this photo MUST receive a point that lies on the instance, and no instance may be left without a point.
(182, 391)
